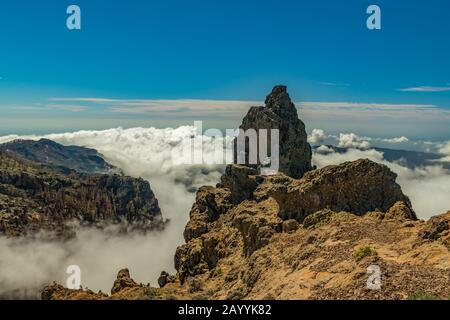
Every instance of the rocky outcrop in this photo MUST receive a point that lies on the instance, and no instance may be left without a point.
(357, 187)
(166, 278)
(240, 181)
(124, 286)
(58, 292)
(209, 205)
(253, 251)
(259, 207)
(280, 113)
(437, 229)
(35, 197)
(123, 281)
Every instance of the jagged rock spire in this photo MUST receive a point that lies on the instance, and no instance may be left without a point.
(280, 102)
(280, 113)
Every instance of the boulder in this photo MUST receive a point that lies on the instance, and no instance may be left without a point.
(166, 278)
(123, 281)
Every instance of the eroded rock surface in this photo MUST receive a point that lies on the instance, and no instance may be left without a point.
(357, 187)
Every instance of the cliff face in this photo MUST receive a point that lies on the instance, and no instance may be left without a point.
(280, 113)
(37, 197)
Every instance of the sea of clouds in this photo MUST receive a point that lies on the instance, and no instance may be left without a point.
(26, 265)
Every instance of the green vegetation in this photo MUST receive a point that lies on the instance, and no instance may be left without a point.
(363, 252)
(216, 272)
(195, 285)
(150, 293)
(308, 252)
(422, 295)
(236, 294)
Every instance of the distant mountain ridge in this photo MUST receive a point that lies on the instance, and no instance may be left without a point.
(410, 159)
(50, 153)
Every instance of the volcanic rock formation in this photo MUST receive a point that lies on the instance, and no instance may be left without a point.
(280, 113)
(358, 187)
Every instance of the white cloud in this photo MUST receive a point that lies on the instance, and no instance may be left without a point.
(321, 159)
(66, 107)
(29, 264)
(425, 89)
(317, 136)
(236, 108)
(93, 100)
(351, 140)
(142, 106)
(396, 140)
(365, 106)
(353, 113)
(323, 149)
(444, 149)
(333, 84)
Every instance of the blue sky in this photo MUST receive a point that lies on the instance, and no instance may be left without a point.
(216, 50)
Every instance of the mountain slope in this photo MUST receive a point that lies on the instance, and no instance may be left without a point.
(60, 157)
(36, 197)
